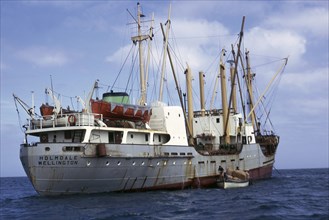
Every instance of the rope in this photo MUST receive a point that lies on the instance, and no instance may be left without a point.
(277, 171)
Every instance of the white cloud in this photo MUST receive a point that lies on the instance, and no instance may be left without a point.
(304, 94)
(307, 82)
(119, 55)
(316, 106)
(196, 42)
(197, 47)
(306, 20)
(276, 43)
(298, 107)
(199, 41)
(44, 56)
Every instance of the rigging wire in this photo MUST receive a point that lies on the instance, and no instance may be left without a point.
(120, 71)
(272, 93)
(209, 36)
(133, 61)
(264, 64)
(19, 117)
(175, 45)
(157, 74)
(169, 97)
(156, 69)
(272, 97)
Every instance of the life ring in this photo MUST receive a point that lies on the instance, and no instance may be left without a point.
(71, 120)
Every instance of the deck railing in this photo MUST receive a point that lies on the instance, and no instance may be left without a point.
(64, 120)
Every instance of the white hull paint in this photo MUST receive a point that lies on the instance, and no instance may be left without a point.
(53, 171)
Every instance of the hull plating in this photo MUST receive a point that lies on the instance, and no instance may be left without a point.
(55, 172)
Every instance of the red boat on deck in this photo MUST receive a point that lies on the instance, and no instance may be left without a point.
(46, 109)
(121, 111)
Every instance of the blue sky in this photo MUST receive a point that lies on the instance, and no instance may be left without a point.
(77, 42)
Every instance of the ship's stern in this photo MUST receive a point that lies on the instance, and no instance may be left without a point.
(26, 163)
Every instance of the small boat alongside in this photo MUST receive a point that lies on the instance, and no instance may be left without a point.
(232, 183)
(232, 179)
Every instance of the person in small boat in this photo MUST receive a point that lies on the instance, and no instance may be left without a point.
(222, 173)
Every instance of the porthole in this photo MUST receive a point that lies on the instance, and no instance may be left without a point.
(174, 162)
(165, 163)
(88, 163)
(107, 163)
(158, 163)
(119, 163)
(134, 163)
(47, 148)
(143, 163)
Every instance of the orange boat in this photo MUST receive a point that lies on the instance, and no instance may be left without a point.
(120, 111)
(46, 109)
(114, 106)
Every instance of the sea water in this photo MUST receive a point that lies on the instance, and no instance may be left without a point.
(289, 194)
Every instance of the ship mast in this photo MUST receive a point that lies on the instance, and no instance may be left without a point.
(165, 46)
(249, 79)
(224, 99)
(179, 91)
(141, 61)
(148, 55)
(202, 103)
(188, 74)
(233, 86)
(214, 93)
(139, 38)
(33, 106)
(235, 70)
